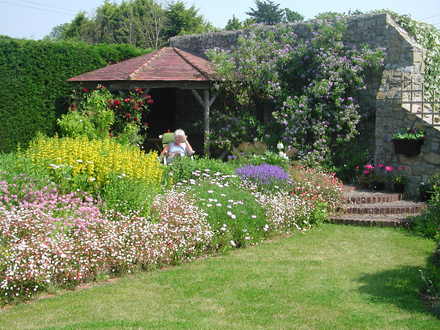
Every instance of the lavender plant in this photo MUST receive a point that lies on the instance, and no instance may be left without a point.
(264, 174)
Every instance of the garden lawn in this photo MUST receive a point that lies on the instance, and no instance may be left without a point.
(331, 277)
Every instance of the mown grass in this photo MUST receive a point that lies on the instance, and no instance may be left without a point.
(334, 277)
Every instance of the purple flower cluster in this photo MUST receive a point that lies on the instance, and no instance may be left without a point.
(263, 173)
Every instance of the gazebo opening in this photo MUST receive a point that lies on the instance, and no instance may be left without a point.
(180, 85)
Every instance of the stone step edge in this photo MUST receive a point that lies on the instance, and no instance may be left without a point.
(416, 209)
(379, 222)
(349, 200)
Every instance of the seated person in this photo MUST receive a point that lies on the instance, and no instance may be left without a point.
(180, 147)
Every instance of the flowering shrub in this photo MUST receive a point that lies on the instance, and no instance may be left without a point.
(94, 160)
(374, 176)
(285, 211)
(316, 186)
(97, 113)
(65, 240)
(263, 174)
(311, 84)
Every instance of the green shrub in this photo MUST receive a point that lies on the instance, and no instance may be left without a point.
(428, 224)
(128, 196)
(183, 168)
(33, 86)
(431, 278)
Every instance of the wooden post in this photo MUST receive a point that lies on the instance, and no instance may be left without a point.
(206, 103)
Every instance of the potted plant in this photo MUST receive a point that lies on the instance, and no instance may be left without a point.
(409, 141)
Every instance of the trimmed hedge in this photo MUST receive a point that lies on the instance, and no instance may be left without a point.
(33, 87)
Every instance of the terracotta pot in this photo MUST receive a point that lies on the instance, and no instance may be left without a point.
(408, 147)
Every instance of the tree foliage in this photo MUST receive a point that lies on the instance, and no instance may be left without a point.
(268, 12)
(142, 23)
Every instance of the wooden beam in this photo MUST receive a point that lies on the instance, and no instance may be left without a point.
(206, 121)
(205, 102)
(198, 97)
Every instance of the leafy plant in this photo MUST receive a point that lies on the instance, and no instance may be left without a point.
(409, 134)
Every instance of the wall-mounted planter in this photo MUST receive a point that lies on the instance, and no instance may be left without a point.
(408, 147)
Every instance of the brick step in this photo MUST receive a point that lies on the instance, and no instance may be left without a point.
(396, 207)
(403, 220)
(355, 197)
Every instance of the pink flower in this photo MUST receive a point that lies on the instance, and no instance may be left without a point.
(381, 165)
(389, 168)
(369, 167)
(366, 172)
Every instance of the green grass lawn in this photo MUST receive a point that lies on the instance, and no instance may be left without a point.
(333, 277)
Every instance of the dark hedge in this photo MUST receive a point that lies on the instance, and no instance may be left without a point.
(33, 87)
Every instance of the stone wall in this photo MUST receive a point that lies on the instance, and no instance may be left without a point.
(381, 103)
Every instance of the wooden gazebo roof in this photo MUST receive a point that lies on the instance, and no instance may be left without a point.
(166, 67)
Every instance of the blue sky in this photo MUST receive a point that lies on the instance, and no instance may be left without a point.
(33, 19)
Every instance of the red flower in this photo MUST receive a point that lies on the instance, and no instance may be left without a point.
(72, 107)
(136, 118)
(150, 101)
(389, 168)
(116, 103)
(85, 90)
(127, 115)
(127, 100)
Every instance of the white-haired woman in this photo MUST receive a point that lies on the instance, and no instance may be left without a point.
(179, 148)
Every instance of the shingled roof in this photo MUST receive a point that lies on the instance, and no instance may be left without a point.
(165, 64)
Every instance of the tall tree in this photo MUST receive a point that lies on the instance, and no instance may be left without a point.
(182, 20)
(266, 12)
(292, 16)
(233, 24)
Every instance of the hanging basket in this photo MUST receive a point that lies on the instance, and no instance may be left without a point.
(408, 147)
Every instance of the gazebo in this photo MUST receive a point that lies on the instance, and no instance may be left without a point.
(168, 67)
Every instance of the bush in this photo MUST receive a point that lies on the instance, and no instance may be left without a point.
(317, 186)
(428, 224)
(128, 196)
(182, 169)
(88, 164)
(431, 278)
(33, 86)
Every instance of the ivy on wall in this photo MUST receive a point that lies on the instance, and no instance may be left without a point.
(428, 36)
(33, 87)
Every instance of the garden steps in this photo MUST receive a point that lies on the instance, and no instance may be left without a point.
(371, 208)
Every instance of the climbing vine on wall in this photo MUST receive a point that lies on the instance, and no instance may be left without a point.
(428, 36)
